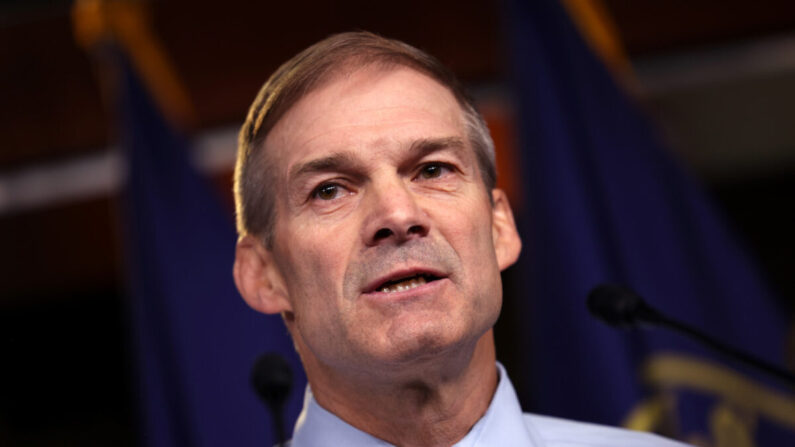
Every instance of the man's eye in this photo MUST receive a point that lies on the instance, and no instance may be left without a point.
(432, 170)
(327, 191)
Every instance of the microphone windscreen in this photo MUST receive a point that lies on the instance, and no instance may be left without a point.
(615, 305)
(272, 379)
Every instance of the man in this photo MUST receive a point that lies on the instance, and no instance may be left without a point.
(369, 219)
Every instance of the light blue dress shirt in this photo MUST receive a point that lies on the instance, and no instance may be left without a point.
(503, 425)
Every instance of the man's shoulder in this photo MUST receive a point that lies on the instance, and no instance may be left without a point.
(557, 432)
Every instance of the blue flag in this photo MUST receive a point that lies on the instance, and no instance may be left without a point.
(195, 339)
(606, 203)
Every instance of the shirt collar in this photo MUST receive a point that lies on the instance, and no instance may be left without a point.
(502, 424)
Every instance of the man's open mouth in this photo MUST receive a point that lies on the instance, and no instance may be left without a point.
(406, 283)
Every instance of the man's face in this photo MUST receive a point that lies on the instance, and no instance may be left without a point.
(384, 237)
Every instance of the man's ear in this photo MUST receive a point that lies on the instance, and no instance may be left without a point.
(258, 278)
(507, 243)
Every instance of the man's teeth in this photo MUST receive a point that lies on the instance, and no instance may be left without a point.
(404, 285)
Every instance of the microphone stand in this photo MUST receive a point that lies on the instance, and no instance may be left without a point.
(725, 349)
(272, 379)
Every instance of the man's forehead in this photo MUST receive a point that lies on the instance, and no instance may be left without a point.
(397, 103)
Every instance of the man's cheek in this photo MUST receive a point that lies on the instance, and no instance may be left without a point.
(469, 233)
(323, 268)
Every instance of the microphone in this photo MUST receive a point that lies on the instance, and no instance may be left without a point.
(272, 379)
(619, 306)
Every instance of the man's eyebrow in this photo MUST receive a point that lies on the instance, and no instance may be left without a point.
(345, 161)
(339, 161)
(425, 146)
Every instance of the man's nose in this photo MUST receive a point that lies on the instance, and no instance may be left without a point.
(394, 213)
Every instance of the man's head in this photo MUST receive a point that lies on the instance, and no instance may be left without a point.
(330, 58)
(386, 239)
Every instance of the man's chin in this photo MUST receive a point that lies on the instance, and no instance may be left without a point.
(414, 350)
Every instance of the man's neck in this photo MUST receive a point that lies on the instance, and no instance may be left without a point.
(435, 407)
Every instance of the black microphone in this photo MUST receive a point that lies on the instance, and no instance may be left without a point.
(621, 307)
(272, 379)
